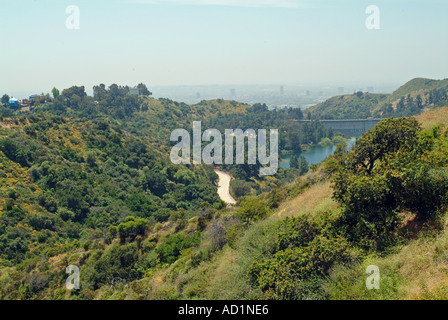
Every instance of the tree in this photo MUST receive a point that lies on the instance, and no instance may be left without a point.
(55, 92)
(419, 101)
(132, 228)
(99, 92)
(74, 90)
(388, 136)
(91, 160)
(387, 172)
(303, 165)
(5, 99)
(400, 105)
(143, 90)
(155, 182)
(240, 188)
(294, 162)
(330, 133)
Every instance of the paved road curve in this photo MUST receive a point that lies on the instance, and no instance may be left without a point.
(224, 187)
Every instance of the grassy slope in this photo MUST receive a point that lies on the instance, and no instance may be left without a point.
(417, 270)
(225, 276)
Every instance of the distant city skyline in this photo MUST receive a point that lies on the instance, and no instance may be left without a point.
(293, 95)
(227, 42)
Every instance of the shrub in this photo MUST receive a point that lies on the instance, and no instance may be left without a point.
(132, 228)
(170, 249)
(252, 209)
(117, 262)
(298, 271)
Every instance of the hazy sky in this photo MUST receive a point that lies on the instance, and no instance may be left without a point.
(196, 42)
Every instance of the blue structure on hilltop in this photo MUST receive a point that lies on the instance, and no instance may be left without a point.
(14, 102)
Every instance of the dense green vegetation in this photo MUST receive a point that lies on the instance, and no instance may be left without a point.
(153, 120)
(392, 169)
(356, 106)
(92, 174)
(92, 187)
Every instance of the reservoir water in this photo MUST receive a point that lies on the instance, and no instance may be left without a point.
(317, 153)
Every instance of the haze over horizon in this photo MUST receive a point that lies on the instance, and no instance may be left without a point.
(226, 42)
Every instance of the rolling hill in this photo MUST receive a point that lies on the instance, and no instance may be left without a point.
(408, 100)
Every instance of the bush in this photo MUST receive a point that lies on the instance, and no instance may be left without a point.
(170, 249)
(240, 188)
(117, 262)
(252, 209)
(304, 256)
(162, 214)
(132, 228)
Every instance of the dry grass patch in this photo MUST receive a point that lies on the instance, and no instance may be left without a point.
(435, 117)
(317, 199)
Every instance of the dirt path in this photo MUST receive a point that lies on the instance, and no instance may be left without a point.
(224, 187)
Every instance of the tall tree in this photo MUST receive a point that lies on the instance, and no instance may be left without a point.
(303, 165)
(294, 162)
(55, 92)
(419, 101)
(5, 99)
(143, 90)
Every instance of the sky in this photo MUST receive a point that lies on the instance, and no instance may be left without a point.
(201, 42)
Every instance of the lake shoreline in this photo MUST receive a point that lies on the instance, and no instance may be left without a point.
(314, 154)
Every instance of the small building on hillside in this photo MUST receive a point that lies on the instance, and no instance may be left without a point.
(14, 102)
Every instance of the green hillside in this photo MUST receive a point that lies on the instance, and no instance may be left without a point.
(355, 106)
(90, 184)
(315, 238)
(410, 99)
(87, 180)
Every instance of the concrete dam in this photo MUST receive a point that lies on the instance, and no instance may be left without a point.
(352, 127)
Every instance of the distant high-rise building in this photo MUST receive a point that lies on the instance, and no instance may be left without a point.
(282, 90)
(232, 92)
(341, 90)
(198, 95)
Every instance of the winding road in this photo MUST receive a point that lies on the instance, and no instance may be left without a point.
(224, 187)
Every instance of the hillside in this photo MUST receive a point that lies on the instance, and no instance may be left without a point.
(355, 106)
(99, 192)
(294, 251)
(82, 176)
(408, 100)
(155, 119)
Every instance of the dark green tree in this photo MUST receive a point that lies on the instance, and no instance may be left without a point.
(384, 174)
(294, 162)
(419, 101)
(55, 92)
(143, 90)
(303, 165)
(5, 99)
